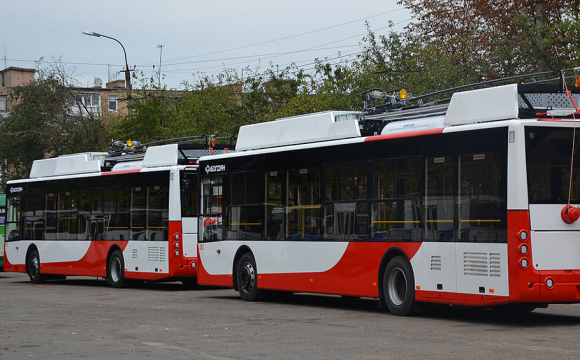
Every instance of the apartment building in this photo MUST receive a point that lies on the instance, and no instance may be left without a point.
(104, 102)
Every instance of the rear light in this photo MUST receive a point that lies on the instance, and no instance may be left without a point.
(177, 253)
(524, 263)
(523, 249)
(193, 264)
(523, 235)
(549, 283)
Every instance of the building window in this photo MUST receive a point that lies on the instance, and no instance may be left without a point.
(3, 103)
(113, 102)
(90, 100)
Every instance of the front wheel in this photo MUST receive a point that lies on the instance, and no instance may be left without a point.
(116, 274)
(33, 268)
(246, 277)
(399, 287)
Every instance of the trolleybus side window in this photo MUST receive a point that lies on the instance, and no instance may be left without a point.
(245, 209)
(189, 192)
(396, 210)
(157, 212)
(138, 212)
(68, 227)
(481, 206)
(346, 207)
(13, 218)
(440, 199)
(275, 226)
(304, 204)
(211, 209)
(50, 213)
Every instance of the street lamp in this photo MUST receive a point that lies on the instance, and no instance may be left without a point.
(127, 71)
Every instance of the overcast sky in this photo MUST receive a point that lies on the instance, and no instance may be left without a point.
(197, 36)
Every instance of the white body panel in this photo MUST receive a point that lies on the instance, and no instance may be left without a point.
(556, 250)
(274, 257)
(189, 229)
(164, 155)
(462, 267)
(497, 103)
(434, 264)
(174, 196)
(413, 125)
(482, 266)
(517, 182)
(548, 217)
(49, 251)
(298, 130)
(65, 165)
(146, 256)
(555, 244)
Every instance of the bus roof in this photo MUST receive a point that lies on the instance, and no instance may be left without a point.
(404, 113)
(130, 157)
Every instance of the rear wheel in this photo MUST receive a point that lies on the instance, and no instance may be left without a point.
(33, 268)
(399, 287)
(116, 274)
(246, 277)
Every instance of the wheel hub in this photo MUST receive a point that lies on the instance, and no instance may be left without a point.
(397, 286)
(247, 277)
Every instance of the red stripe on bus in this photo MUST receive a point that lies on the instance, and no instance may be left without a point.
(404, 134)
(438, 297)
(121, 172)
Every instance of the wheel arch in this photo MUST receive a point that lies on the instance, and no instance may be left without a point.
(389, 254)
(112, 249)
(244, 249)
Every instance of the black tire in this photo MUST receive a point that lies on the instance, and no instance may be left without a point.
(190, 283)
(514, 309)
(247, 277)
(33, 268)
(116, 275)
(399, 287)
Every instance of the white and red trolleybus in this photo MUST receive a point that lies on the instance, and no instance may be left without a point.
(452, 202)
(127, 214)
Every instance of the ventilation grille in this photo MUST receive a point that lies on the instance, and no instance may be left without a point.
(436, 263)
(494, 265)
(556, 101)
(156, 254)
(481, 264)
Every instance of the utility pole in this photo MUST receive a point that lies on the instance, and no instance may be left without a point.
(160, 53)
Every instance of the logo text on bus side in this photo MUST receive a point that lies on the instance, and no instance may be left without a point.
(214, 168)
(16, 190)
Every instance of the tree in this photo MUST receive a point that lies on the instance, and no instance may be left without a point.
(48, 120)
(492, 39)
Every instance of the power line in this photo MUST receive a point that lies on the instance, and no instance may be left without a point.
(289, 37)
(315, 48)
